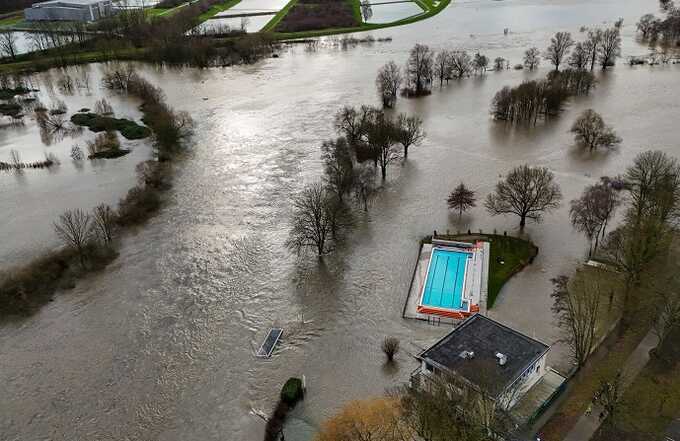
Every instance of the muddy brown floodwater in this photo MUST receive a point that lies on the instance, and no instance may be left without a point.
(161, 345)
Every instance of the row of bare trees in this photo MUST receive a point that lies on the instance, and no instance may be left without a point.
(601, 46)
(422, 68)
(536, 99)
(643, 250)
(321, 214)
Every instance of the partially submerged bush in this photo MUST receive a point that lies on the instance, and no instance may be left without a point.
(100, 123)
(137, 206)
(390, 347)
(292, 391)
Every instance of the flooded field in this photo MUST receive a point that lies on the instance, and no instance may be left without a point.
(389, 12)
(33, 199)
(252, 23)
(161, 345)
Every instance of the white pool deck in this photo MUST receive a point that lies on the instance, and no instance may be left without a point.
(475, 289)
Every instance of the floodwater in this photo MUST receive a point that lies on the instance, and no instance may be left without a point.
(253, 23)
(33, 199)
(160, 345)
(389, 12)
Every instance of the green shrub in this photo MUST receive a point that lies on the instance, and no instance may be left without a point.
(99, 123)
(291, 392)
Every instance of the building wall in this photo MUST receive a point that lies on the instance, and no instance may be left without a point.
(525, 382)
(68, 12)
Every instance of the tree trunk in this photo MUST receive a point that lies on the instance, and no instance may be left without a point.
(522, 221)
(383, 171)
(405, 152)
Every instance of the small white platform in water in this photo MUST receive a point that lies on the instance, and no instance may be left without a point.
(269, 343)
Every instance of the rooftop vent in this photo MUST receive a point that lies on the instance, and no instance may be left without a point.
(467, 354)
(502, 358)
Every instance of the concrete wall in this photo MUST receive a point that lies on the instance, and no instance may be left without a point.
(66, 12)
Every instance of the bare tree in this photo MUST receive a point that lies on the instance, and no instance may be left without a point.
(480, 63)
(580, 56)
(499, 64)
(584, 218)
(461, 63)
(442, 66)
(338, 167)
(103, 222)
(409, 131)
(383, 138)
(594, 41)
(559, 48)
(591, 131)
(647, 25)
(351, 122)
(73, 228)
(314, 220)
(610, 47)
(532, 58)
(610, 396)
(15, 159)
(419, 69)
(527, 192)
(576, 307)
(8, 44)
(388, 82)
(461, 199)
(390, 346)
(653, 184)
(365, 188)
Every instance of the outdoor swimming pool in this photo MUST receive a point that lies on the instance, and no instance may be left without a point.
(445, 279)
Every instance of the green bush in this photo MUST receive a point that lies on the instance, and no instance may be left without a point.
(291, 392)
(99, 123)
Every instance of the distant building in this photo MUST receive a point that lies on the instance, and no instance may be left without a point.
(70, 10)
(486, 358)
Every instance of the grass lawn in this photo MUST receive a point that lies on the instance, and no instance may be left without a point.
(515, 254)
(216, 9)
(605, 363)
(9, 21)
(650, 404)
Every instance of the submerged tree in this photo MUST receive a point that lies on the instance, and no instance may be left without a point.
(499, 63)
(374, 419)
(364, 187)
(591, 212)
(338, 167)
(314, 220)
(442, 66)
(559, 48)
(73, 228)
(8, 44)
(591, 131)
(409, 131)
(527, 192)
(532, 58)
(419, 70)
(480, 63)
(609, 48)
(383, 139)
(576, 306)
(461, 63)
(103, 222)
(388, 82)
(461, 199)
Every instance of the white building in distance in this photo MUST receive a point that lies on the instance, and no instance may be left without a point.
(70, 10)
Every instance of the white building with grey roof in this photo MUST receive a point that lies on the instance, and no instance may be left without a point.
(70, 10)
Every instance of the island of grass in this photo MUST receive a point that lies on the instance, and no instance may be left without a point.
(509, 255)
(101, 123)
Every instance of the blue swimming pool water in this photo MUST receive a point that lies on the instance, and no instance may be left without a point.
(444, 284)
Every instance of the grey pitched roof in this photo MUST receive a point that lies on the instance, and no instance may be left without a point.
(485, 337)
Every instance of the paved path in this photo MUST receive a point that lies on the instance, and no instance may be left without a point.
(588, 424)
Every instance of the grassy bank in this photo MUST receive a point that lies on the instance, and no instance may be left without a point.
(509, 255)
(11, 21)
(216, 9)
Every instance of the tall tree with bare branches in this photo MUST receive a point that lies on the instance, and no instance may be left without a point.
(576, 306)
(527, 191)
(388, 82)
(559, 48)
(73, 228)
